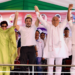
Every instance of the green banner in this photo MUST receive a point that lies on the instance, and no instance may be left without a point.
(29, 5)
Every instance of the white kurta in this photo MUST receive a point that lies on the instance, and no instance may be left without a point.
(40, 47)
(55, 45)
(68, 42)
(72, 26)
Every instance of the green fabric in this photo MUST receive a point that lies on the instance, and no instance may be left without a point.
(5, 69)
(8, 46)
(29, 5)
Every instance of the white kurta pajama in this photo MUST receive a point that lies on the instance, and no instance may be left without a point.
(56, 47)
(72, 26)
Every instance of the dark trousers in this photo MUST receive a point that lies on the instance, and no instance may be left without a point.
(39, 68)
(26, 53)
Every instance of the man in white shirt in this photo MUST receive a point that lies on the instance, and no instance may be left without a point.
(43, 36)
(72, 26)
(28, 41)
(40, 47)
(68, 40)
(56, 48)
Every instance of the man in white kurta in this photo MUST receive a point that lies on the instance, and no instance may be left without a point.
(72, 26)
(56, 48)
(68, 40)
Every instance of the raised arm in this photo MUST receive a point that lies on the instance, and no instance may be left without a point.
(40, 17)
(69, 15)
(37, 22)
(15, 21)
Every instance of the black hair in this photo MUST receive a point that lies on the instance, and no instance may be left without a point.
(42, 33)
(3, 22)
(66, 28)
(38, 31)
(28, 18)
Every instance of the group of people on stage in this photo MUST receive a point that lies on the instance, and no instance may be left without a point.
(55, 47)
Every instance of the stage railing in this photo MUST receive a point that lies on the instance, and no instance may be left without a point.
(33, 65)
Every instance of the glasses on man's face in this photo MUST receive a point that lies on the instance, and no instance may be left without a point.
(3, 26)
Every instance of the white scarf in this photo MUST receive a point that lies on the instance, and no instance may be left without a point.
(51, 39)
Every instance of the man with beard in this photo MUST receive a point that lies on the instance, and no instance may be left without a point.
(28, 41)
